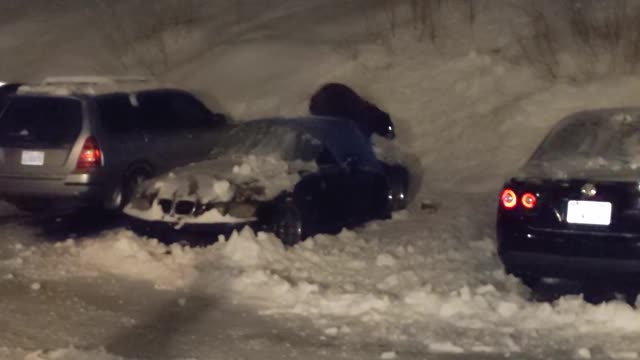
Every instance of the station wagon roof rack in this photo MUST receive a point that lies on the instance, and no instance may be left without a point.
(89, 85)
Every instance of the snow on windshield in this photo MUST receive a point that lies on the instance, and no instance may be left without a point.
(596, 140)
(264, 138)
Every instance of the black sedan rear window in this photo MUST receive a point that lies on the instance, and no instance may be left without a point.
(590, 140)
(40, 121)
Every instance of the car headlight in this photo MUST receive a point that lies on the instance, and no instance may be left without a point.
(203, 208)
(248, 192)
(142, 202)
(242, 210)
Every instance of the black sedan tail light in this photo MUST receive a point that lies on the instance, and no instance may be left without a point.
(508, 199)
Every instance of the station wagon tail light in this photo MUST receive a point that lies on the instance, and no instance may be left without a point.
(529, 200)
(508, 199)
(90, 156)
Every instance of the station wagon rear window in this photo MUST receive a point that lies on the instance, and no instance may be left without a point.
(40, 122)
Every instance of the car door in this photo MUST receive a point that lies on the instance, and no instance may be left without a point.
(197, 122)
(162, 130)
(369, 192)
(323, 197)
(123, 143)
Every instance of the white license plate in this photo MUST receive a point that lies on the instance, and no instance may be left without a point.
(589, 212)
(33, 158)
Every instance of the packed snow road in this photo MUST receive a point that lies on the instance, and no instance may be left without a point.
(423, 285)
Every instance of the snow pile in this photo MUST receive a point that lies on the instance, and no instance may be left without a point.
(70, 354)
(244, 248)
(118, 252)
(394, 277)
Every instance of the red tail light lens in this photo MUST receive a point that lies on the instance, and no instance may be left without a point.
(529, 200)
(508, 199)
(90, 156)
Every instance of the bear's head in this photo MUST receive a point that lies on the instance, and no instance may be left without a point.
(380, 123)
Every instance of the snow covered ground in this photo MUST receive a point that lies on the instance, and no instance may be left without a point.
(423, 285)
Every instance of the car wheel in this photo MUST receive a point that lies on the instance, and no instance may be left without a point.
(399, 187)
(287, 225)
(529, 281)
(123, 194)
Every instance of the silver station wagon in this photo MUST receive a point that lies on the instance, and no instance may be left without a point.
(76, 142)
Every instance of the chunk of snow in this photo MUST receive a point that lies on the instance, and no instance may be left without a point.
(623, 355)
(507, 309)
(332, 331)
(583, 353)
(385, 260)
(445, 348)
(388, 355)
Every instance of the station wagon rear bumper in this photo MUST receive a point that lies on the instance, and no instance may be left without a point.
(73, 189)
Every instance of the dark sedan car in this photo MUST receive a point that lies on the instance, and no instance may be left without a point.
(574, 210)
(294, 177)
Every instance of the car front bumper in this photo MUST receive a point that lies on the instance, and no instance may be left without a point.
(194, 234)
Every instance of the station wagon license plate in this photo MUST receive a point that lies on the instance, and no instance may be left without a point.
(589, 212)
(33, 158)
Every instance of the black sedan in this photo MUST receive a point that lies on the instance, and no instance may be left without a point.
(294, 177)
(573, 212)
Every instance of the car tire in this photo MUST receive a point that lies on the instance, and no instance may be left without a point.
(399, 188)
(286, 224)
(529, 281)
(123, 194)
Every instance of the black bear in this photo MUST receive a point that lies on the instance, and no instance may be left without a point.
(339, 100)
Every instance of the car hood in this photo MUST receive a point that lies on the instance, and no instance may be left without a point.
(215, 181)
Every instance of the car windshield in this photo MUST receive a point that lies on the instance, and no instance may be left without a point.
(267, 139)
(593, 140)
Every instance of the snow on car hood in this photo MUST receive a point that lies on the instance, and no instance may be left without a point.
(219, 180)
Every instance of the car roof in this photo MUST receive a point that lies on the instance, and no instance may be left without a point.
(88, 86)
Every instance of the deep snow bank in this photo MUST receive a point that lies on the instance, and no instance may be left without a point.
(462, 105)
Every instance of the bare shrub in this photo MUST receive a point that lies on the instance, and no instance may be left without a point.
(540, 48)
(601, 37)
(145, 42)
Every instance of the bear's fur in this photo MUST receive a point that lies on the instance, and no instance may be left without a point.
(341, 101)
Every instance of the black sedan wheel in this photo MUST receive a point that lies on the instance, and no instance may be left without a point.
(287, 225)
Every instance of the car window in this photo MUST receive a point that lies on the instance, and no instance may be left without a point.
(156, 114)
(343, 141)
(598, 139)
(191, 113)
(40, 121)
(266, 138)
(117, 114)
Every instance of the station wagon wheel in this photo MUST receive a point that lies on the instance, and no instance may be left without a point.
(287, 225)
(122, 195)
